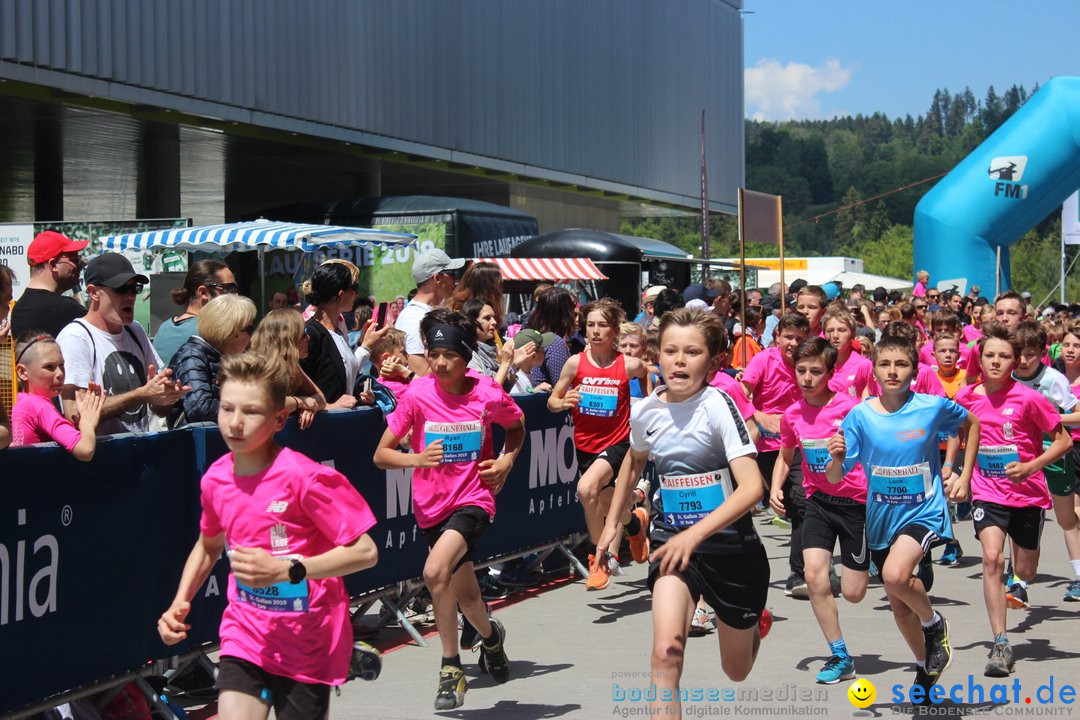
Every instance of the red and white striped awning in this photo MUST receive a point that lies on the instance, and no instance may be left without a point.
(546, 268)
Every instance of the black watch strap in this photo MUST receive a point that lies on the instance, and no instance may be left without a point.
(297, 571)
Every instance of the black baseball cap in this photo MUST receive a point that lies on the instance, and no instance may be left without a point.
(111, 270)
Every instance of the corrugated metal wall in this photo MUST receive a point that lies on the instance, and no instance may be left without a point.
(610, 90)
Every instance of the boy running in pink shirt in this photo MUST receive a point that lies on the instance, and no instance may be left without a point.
(292, 528)
(450, 413)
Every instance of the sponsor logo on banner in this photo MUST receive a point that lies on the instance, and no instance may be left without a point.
(29, 568)
(1070, 220)
(552, 462)
(1007, 171)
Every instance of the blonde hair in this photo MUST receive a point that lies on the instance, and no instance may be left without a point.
(632, 328)
(268, 372)
(223, 317)
(278, 336)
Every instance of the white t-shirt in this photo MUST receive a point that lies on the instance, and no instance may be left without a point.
(408, 322)
(116, 362)
(1053, 386)
(349, 360)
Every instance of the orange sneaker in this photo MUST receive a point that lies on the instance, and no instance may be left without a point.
(599, 575)
(639, 542)
(764, 623)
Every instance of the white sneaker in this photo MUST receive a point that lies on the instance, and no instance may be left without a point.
(614, 567)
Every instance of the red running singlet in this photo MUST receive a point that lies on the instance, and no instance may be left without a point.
(602, 418)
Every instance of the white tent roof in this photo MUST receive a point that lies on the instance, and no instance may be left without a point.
(253, 235)
(849, 278)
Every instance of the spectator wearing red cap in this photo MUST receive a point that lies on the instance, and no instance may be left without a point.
(55, 266)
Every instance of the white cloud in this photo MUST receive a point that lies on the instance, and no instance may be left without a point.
(787, 92)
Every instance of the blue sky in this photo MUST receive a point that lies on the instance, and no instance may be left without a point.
(821, 58)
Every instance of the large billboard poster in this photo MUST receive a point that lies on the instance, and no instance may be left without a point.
(14, 240)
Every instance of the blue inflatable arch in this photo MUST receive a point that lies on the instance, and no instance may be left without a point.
(1005, 187)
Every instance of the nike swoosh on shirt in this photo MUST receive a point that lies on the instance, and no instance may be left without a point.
(650, 433)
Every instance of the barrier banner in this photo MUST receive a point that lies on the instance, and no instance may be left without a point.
(91, 553)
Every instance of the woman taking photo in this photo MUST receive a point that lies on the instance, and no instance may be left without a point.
(206, 280)
(330, 361)
(225, 326)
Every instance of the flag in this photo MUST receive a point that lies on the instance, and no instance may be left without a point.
(761, 218)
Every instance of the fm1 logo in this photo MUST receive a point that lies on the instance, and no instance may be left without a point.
(1008, 171)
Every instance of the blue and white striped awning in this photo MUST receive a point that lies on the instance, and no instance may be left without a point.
(253, 235)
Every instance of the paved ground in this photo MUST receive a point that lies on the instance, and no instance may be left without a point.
(569, 649)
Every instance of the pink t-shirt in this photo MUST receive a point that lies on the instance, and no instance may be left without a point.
(809, 428)
(396, 386)
(1075, 429)
(464, 424)
(294, 508)
(1012, 422)
(34, 419)
(731, 386)
(853, 376)
(919, 290)
(970, 333)
(774, 389)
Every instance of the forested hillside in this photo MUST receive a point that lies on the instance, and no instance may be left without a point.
(850, 186)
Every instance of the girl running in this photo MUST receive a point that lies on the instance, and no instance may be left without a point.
(595, 385)
(704, 540)
(1008, 488)
(853, 372)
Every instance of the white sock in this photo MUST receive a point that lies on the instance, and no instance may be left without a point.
(932, 621)
(1021, 583)
(1076, 568)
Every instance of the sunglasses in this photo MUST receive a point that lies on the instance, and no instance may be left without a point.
(920, 307)
(131, 288)
(225, 288)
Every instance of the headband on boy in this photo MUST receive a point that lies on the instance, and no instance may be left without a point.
(33, 340)
(449, 338)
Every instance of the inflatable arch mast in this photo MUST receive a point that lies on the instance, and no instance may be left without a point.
(1005, 187)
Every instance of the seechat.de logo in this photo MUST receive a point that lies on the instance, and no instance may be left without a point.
(910, 435)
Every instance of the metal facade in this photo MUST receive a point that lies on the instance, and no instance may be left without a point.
(605, 93)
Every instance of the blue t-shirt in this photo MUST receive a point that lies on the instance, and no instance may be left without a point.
(899, 452)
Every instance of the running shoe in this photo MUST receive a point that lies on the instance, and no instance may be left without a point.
(452, 687)
(366, 662)
(796, 586)
(701, 624)
(924, 680)
(613, 566)
(925, 572)
(938, 647)
(491, 589)
(834, 581)
(1016, 597)
(1072, 593)
(951, 556)
(469, 636)
(837, 669)
(493, 659)
(1001, 662)
(599, 575)
(781, 522)
(764, 623)
(639, 542)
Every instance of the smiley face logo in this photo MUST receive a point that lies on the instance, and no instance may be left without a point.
(861, 693)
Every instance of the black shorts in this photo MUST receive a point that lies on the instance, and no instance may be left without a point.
(927, 538)
(291, 699)
(1023, 524)
(613, 456)
(471, 521)
(829, 519)
(735, 586)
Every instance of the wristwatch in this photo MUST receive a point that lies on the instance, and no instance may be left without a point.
(297, 571)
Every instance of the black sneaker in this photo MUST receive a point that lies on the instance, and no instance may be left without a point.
(1001, 662)
(469, 636)
(490, 589)
(493, 659)
(452, 687)
(923, 680)
(834, 582)
(796, 587)
(938, 647)
(366, 662)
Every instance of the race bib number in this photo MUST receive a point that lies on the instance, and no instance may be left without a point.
(994, 458)
(281, 597)
(816, 454)
(909, 485)
(598, 400)
(461, 441)
(689, 498)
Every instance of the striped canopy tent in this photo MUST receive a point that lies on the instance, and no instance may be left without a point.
(255, 235)
(546, 269)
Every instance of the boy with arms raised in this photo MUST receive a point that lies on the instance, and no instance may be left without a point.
(894, 437)
(292, 528)
(450, 412)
